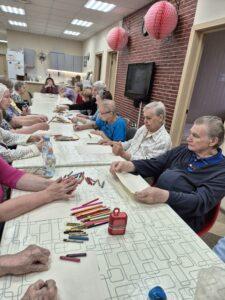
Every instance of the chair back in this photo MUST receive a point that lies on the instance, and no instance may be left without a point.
(130, 133)
(212, 216)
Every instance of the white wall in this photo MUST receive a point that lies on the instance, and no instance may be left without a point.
(43, 43)
(97, 44)
(209, 10)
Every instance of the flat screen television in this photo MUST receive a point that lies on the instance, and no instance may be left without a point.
(139, 81)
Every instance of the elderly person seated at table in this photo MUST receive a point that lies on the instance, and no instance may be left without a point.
(17, 117)
(5, 102)
(49, 87)
(150, 140)
(8, 138)
(89, 106)
(32, 259)
(66, 92)
(85, 119)
(19, 90)
(188, 178)
(109, 125)
(46, 191)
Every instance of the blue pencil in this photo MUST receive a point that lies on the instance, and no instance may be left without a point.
(79, 238)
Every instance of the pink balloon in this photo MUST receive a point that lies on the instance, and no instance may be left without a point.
(117, 38)
(161, 19)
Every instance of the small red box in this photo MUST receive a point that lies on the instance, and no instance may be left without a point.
(117, 222)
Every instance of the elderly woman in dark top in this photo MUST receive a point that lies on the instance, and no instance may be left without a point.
(189, 178)
(49, 87)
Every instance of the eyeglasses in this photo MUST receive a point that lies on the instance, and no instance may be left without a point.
(107, 112)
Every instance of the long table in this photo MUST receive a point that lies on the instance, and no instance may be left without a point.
(157, 249)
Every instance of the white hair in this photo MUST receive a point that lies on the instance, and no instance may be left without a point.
(99, 85)
(159, 108)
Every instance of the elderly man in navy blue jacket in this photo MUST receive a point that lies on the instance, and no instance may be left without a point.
(191, 179)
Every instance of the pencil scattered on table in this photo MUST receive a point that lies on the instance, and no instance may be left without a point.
(74, 257)
(90, 181)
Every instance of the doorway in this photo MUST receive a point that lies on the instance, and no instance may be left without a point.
(3, 67)
(208, 97)
(198, 50)
(111, 71)
(98, 66)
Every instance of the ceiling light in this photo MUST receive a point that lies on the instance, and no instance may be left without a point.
(71, 32)
(3, 41)
(81, 23)
(99, 5)
(12, 10)
(15, 23)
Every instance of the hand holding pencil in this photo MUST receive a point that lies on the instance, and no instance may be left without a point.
(62, 188)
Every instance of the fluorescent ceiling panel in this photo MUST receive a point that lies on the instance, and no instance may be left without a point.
(12, 10)
(99, 5)
(81, 23)
(15, 23)
(74, 33)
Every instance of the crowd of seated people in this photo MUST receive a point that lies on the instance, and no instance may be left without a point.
(189, 178)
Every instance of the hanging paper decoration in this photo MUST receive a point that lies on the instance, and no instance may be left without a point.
(161, 19)
(117, 38)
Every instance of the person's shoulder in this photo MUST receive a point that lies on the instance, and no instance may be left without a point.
(121, 120)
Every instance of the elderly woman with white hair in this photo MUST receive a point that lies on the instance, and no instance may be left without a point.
(66, 92)
(188, 178)
(150, 140)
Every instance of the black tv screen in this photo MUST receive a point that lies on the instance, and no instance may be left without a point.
(139, 81)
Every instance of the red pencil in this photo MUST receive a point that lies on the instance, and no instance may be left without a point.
(73, 259)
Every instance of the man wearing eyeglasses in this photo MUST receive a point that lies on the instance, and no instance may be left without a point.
(108, 125)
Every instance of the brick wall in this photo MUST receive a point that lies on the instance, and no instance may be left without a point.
(168, 55)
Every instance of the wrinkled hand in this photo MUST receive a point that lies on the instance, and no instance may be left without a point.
(43, 118)
(78, 127)
(62, 189)
(61, 108)
(106, 142)
(31, 259)
(152, 195)
(118, 149)
(122, 166)
(34, 138)
(98, 132)
(43, 126)
(41, 290)
(82, 116)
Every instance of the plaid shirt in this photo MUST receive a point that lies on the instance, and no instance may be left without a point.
(146, 145)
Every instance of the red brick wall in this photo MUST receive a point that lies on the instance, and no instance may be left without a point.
(168, 55)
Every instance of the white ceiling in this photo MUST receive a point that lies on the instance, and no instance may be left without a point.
(52, 17)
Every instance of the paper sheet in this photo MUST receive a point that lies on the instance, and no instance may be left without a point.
(73, 280)
(133, 183)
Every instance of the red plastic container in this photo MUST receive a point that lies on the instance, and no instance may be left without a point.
(117, 222)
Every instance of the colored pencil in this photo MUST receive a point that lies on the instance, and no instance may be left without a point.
(73, 259)
(72, 241)
(79, 238)
(77, 255)
(78, 207)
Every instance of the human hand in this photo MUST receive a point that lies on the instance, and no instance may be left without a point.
(82, 116)
(97, 132)
(31, 259)
(34, 138)
(62, 189)
(118, 149)
(43, 118)
(61, 108)
(105, 142)
(152, 195)
(42, 126)
(78, 127)
(122, 166)
(41, 290)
